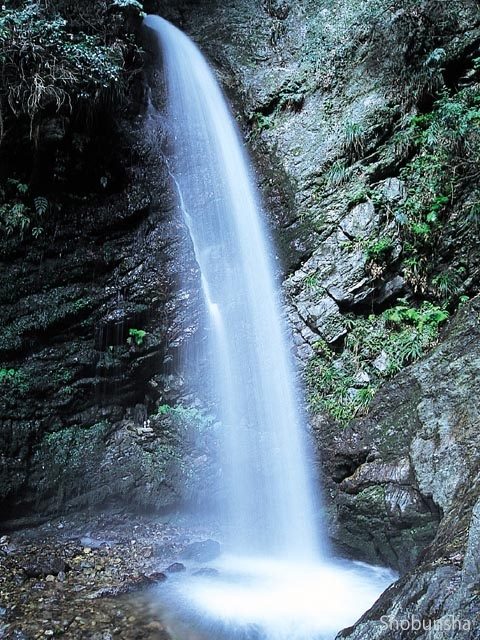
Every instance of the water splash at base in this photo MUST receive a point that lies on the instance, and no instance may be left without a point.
(253, 598)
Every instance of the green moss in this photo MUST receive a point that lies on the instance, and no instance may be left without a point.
(72, 449)
(371, 500)
(359, 192)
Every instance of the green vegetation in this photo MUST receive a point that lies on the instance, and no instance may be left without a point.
(13, 379)
(290, 97)
(47, 62)
(20, 212)
(312, 284)
(336, 174)
(360, 192)
(259, 122)
(187, 415)
(50, 309)
(446, 144)
(375, 348)
(136, 336)
(379, 250)
(440, 152)
(448, 284)
(354, 135)
(62, 63)
(72, 448)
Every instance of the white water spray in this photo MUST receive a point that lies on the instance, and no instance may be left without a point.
(270, 503)
(269, 496)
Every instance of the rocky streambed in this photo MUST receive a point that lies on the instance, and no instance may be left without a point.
(82, 577)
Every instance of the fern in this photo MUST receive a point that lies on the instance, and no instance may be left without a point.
(41, 205)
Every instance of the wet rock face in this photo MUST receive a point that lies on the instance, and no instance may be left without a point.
(97, 313)
(406, 464)
(202, 551)
(406, 484)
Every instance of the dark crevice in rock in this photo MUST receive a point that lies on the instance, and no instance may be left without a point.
(346, 465)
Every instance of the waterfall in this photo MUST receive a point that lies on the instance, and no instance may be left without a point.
(276, 582)
(269, 507)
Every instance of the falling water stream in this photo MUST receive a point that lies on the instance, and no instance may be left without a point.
(277, 578)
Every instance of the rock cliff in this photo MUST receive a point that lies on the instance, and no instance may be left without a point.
(362, 118)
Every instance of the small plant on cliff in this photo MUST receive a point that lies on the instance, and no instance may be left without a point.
(379, 250)
(19, 211)
(187, 415)
(354, 142)
(344, 383)
(7, 374)
(337, 174)
(136, 336)
(447, 285)
(13, 378)
(260, 122)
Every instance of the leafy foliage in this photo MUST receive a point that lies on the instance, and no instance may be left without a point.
(136, 336)
(13, 379)
(18, 211)
(70, 448)
(448, 144)
(48, 63)
(375, 348)
(260, 122)
(444, 153)
(378, 250)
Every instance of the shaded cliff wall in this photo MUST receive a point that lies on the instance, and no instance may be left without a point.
(98, 308)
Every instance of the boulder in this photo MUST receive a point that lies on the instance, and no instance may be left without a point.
(202, 551)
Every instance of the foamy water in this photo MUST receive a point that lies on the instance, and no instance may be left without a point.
(254, 597)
